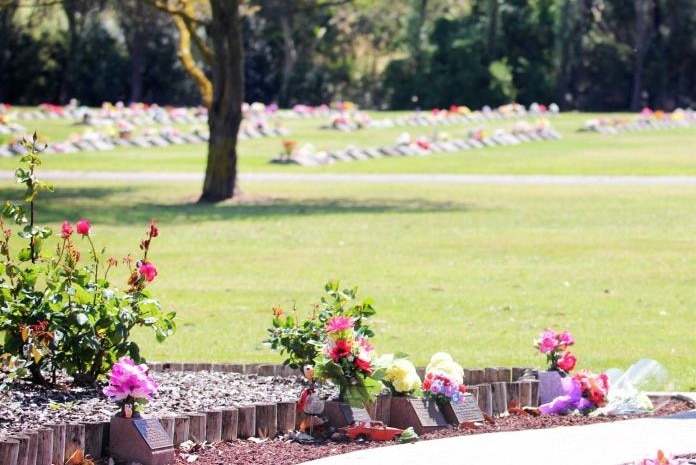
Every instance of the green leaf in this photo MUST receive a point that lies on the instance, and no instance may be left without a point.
(24, 255)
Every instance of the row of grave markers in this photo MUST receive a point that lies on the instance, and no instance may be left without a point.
(499, 138)
(56, 442)
(617, 126)
(102, 142)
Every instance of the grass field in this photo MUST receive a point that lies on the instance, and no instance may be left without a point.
(476, 270)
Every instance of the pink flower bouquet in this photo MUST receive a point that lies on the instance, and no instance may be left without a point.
(554, 345)
(130, 385)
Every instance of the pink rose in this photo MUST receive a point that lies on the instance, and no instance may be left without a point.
(66, 230)
(148, 270)
(565, 339)
(83, 227)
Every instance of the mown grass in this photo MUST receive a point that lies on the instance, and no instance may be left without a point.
(477, 271)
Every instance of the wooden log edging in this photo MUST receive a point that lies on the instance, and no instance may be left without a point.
(493, 387)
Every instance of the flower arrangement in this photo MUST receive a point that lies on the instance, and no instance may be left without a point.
(400, 375)
(584, 392)
(289, 147)
(444, 379)
(346, 360)
(130, 386)
(595, 387)
(554, 345)
(334, 339)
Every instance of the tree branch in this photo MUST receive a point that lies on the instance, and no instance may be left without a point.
(189, 64)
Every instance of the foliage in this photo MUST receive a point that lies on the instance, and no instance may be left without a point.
(59, 311)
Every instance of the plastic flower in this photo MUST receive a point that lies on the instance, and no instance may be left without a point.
(129, 380)
(66, 230)
(442, 362)
(83, 227)
(402, 376)
(339, 349)
(147, 270)
(567, 362)
(338, 324)
(553, 345)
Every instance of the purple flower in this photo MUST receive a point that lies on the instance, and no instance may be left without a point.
(436, 387)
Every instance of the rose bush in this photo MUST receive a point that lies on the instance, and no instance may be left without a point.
(59, 311)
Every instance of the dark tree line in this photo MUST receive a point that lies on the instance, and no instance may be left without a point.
(582, 54)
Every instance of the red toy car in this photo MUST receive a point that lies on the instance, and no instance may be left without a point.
(371, 430)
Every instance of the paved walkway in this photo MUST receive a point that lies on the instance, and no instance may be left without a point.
(612, 443)
(569, 180)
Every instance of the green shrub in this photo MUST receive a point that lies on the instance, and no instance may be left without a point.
(58, 311)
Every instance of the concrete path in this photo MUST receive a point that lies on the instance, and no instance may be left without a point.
(569, 180)
(612, 443)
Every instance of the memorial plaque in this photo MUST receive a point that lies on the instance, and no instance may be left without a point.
(427, 412)
(420, 413)
(141, 440)
(466, 411)
(153, 433)
(340, 414)
(354, 414)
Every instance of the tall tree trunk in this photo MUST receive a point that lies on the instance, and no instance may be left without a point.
(225, 113)
(492, 32)
(642, 39)
(566, 29)
(289, 55)
(418, 58)
(136, 47)
(67, 86)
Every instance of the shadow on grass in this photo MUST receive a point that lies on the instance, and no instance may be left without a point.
(123, 205)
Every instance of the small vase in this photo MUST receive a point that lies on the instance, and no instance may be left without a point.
(550, 386)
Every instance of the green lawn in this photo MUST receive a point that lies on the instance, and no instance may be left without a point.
(476, 270)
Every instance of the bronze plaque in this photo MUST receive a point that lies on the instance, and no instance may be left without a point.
(152, 432)
(354, 414)
(468, 410)
(427, 412)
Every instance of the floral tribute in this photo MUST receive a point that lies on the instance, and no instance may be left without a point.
(444, 379)
(554, 345)
(584, 392)
(347, 360)
(130, 386)
(400, 375)
(335, 339)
